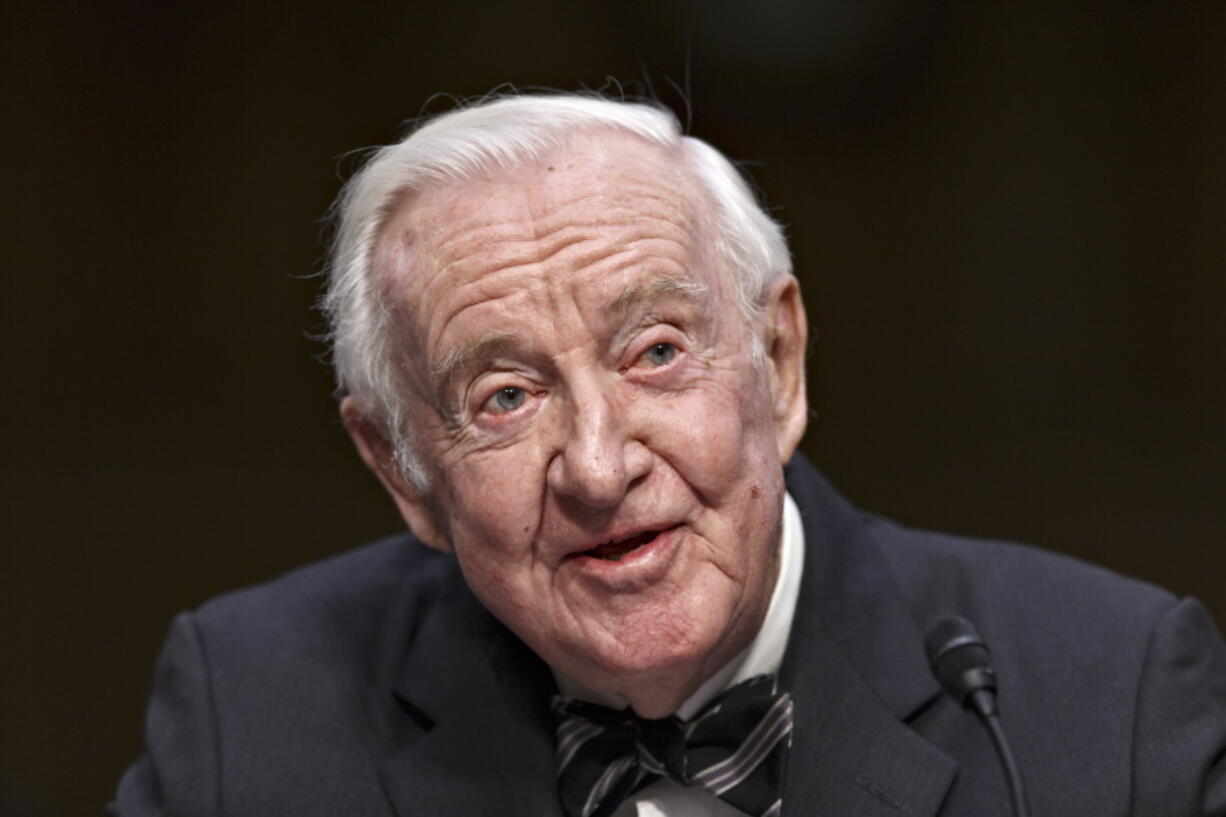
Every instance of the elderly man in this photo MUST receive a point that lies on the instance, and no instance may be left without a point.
(572, 349)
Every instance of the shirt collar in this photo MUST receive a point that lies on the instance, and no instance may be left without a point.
(763, 655)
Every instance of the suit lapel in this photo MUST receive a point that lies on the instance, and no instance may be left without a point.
(856, 669)
(483, 700)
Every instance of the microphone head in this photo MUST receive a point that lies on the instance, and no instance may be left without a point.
(959, 658)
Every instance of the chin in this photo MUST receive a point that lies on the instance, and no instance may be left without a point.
(662, 654)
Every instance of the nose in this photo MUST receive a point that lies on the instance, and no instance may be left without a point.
(598, 459)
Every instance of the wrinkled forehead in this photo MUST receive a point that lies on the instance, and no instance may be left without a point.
(603, 180)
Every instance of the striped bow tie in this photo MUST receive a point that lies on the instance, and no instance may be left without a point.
(734, 748)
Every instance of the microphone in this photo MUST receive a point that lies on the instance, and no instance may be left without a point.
(962, 663)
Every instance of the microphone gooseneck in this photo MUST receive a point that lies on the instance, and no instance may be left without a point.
(962, 663)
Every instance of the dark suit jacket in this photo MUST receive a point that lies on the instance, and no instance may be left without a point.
(375, 684)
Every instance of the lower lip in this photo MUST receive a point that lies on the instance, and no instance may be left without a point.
(637, 566)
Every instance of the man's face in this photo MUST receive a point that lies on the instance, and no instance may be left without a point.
(603, 449)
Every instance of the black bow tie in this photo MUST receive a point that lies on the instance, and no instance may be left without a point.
(735, 748)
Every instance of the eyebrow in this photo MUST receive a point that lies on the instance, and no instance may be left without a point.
(665, 286)
(460, 359)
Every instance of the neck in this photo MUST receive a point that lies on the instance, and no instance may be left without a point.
(685, 694)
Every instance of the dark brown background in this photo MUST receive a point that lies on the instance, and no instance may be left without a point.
(1008, 225)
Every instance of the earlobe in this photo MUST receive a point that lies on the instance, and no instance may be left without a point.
(785, 340)
(377, 452)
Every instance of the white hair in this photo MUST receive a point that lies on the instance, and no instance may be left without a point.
(484, 137)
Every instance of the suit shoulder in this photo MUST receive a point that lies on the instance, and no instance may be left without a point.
(286, 687)
(993, 580)
(339, 604)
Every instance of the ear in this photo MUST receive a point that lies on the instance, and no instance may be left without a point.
(377, 452)
(785, 335)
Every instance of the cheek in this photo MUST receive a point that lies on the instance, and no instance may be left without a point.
(494, 507)
(492, 534)
(713, 430)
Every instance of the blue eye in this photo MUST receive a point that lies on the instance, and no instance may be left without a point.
(504, 400)
(660, 354)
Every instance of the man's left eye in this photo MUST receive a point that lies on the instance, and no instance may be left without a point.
(660, 354)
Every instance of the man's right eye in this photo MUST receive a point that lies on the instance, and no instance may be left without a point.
(505, 400)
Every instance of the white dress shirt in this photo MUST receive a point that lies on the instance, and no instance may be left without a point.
(664, 798)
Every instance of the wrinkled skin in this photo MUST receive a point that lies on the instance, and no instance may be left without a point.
(554, 413)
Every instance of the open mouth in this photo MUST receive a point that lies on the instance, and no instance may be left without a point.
(614, 551)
